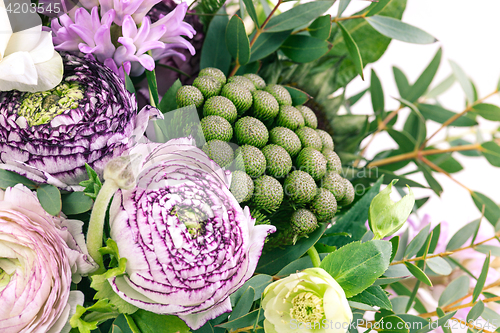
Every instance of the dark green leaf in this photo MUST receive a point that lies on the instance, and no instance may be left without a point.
(418, 273)
(425, 79)
(417, 242)
(302, 48)
(463, 80)
(433, 183)
(441, 88)
(462, 235)
(446, 162)
(129, 84)
(482, 279)
(487, 111)
(374, 296)
(321, 27)
(377, 7)
(298, 16)
(169, 102)
(439, 266)
(299, 97)
(149, 322)
(121, 325)
(396, 29)
(491, 212)
(475, 312)
(491, 316)
(400, 289)
(420, 130)
(457, 289)
(214, 52)
(356, 265)
(342, 6)
(401, 82)
(244, 304)
(440, 115)
(353, 49)
(76, 203)
(251, 67)
(354, 99)
(11, 179)
(405, 142)
(377, 94)
(461, 142)
(237, 42)
(153, 87)
(395, 245)
(421, 202)
(251, 11)
(414, 322)
(491, 151)
(393, 324)
(247, 320)
(258, 283)
(436, 233)
(268, 43)
(486, 249)
(436, 324)
(50, 198)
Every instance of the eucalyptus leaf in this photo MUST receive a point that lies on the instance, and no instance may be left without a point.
(301, 48)
(76, 203)
(439, 266)
(441, 87)
(11, 179)
(251, 11)
(463, 80)
(342, 6)
(50, 198)
(321, 27)
(487, 111)
(491, 211)
(244, 303)
(491, 151)
(237, 42)
(298, 16)
(396, 29)
(478, 288)
(214, 52)
(377, 94)
(353, 49)
(455, 290)
(462, 235)
(440, 115)
(423, 82)
(373, 296)
(401, 82)
(377, 7)
(417, 242)
(267, 43)
(418, 273)
(258, 283)
(476, 311)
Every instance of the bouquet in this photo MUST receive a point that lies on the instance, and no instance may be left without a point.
(167, 167)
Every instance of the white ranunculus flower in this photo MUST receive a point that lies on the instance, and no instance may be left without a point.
(28, 61)
(306, 302)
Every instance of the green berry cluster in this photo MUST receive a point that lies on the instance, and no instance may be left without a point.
(278, 156)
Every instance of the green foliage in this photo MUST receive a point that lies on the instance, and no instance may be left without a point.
(76, 203)
(93, 184)
(149, 322)
(396, 29)
(50, 198)
(11, 179)
(214, 52)
(237, 41)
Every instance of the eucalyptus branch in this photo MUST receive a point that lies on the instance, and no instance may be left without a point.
(438, 169)
(492, 285)
(334, 20)
(244, 329)
(458, 307)
(469, 325)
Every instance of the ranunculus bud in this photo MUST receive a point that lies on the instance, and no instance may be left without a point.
(306, 302)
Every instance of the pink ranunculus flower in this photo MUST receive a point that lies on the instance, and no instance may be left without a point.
(40, 255)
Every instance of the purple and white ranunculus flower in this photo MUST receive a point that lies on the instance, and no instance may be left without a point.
(188, 243)
(40, 255)
(89, 118)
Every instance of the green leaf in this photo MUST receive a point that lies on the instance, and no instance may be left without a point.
(385, 216)
(377, 94)
(405, 142)
(353, 49)
(214, 52)
(299, 265)
(417, 242)
(400, 289)
(491, 212)
(425, 79)
(251, 11)
(149, 322)
(153, 87)
(486, 249)
(418, 273)
(414, 322)
(93, 184)
(237, 42)
(129, 84)
(302, 48)
(439, 266)
(377, 7)
(462, 235)
(487, 111)
(268, 43)
(491, 151)
(457, 289)
(247, 320)
(272, 262)
(441, 87)
(11, 179)
(342, 6)
(482, 279)
(393, 324)
(244, 304)
(440, 115)
(76, 203)
(433, 183)
(299, 97)
(298, 16)
(475, 312)
(396, 29)
(401, 82)
(258, 283)
(50, 198)
(321, 27)
(121, 325)
(436, 324)
(420, 130)
(463, 80)
(169, 102)
(356, 265)
(374, 296)
(395, 245)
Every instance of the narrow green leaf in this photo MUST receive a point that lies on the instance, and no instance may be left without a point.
(433, 183)
(436, 233)
(377, 94)
(413, 296)
(475, 312)
(425, 79)
(440, 115)
(11, 179)
(268, 43)
(50, 198)
(299, 97)
(251, 11)
(462, 235)
(405, 142)
(488, 111)
(342, 6)
(353, 49)
(400, 289)
(379, 6)
(237, 42)
(486, 249)
(360, 306)
(420, 128)
(395, 245)
(129, 84)
(491, 212)
(153, 87)
(396, 29)
(302, 48)
(374, 296)
(392, 324)
(457, 289)
(244, 304)
(482, 279)
(298, 16)
(168, 102)
(76, 203)
(245, 321)
(120, 325)
(149, 322)
(417, 242)
(258, 283)
(354, 99)
(441, 87)
(439, 266)
(214, 52)
(463, 80)
(401, 82)
(321, 27)
(461, 142)
(436, 324)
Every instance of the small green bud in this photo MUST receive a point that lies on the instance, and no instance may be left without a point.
(280, 93)
(258, 82)
(278, 161)
(268, 193)
(215, 73)
(310, 118)
(220, 106)
(216, 128)
(309, 138)
(251, 131)
(300, 187)
(208, 86)
(219, 151)
(189, 95)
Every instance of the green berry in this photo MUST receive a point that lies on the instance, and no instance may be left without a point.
(326, 140)
(300, 187)
(333, 162)
(334, 183)
(245, 82)
(219, 151)
(251, 160)
(324, 205)
(239, 95)
(251, 131)
(309, 138)
(258, 82)
(278, 161)
(287, 139)
(313, 162)
(303, 222)
(289, 117)
(280, 93)
(265, 105)
(188, 95)
(216, 128)
(267, 193)
(215, 73)
(220, 106)
(208, 86)
(309, 116)
(241, 186)
(349, 194)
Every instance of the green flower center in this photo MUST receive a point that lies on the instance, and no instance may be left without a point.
(307, 308)
(41, 107)
(4, 274)
(192, 218)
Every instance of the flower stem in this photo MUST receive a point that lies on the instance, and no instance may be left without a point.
(96, 223)
(313, 254)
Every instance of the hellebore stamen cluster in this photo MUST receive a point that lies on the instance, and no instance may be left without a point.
(307, 308)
